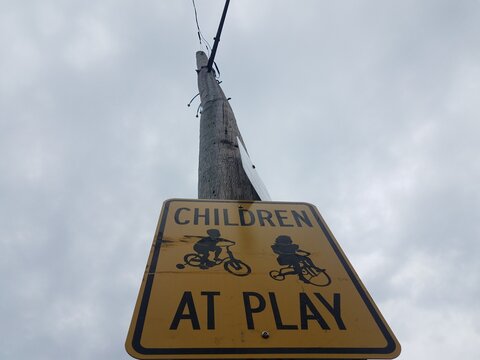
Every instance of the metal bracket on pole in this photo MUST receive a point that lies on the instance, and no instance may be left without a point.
(217, 37)
(252, 173)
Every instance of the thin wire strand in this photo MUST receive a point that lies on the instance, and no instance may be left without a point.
(199, 32)
(190, 102)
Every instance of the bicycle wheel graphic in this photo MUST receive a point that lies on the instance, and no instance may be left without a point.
(192, 259)
(277, 275)
(321, 278)
(237, 267)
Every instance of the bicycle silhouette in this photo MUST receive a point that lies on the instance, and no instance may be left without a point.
(230, 263)
(297, 262)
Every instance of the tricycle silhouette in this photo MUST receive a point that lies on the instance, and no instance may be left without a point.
(214, 243)
(297, 262)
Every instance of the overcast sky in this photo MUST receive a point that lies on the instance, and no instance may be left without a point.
(368, 109)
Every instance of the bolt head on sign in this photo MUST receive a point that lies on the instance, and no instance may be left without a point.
(252, 280)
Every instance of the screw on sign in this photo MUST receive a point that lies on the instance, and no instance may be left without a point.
(252, 280)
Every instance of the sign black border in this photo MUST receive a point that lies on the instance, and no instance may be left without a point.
(137, 335)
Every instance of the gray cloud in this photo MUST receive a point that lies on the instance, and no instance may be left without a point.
(367, 109)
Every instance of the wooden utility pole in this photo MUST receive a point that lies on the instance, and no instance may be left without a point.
(220, 171)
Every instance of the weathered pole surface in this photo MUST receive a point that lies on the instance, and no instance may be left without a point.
(220, 170)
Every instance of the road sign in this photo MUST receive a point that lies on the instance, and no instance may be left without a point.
(256, 280)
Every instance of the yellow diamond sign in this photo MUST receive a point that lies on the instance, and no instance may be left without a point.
(256, 280)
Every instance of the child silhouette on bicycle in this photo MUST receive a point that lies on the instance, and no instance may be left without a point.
(290, 254)
(209, 244)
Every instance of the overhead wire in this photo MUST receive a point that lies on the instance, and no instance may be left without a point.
(209, 49)
(199, 32)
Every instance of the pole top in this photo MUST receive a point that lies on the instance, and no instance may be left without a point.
(202, 60)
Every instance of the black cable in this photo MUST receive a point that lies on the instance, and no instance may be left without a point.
(218, 70)
(211, 59)
(199, 110)
(190, 102)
